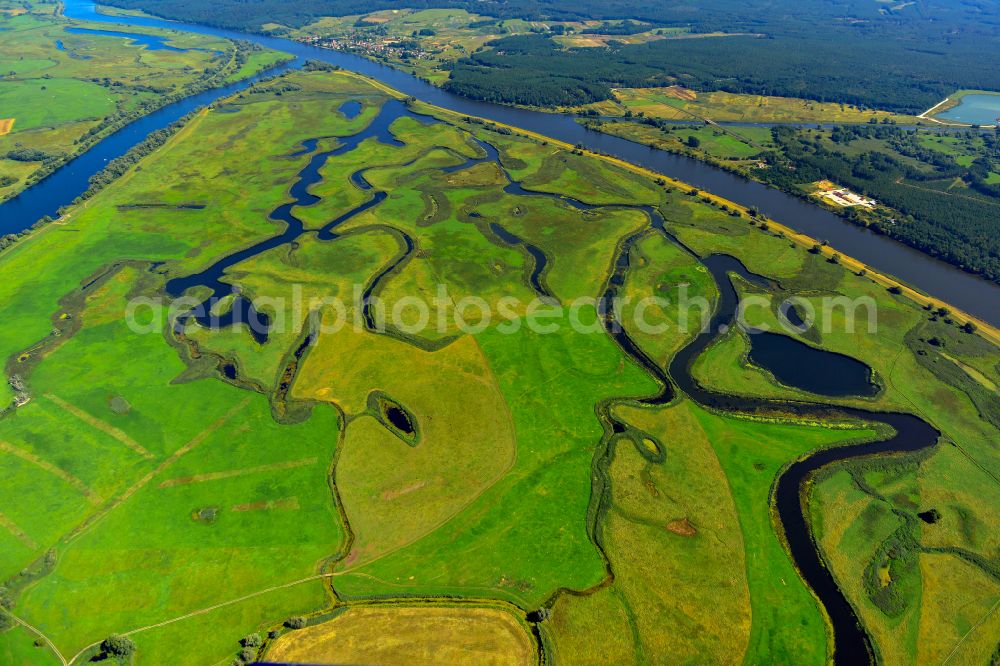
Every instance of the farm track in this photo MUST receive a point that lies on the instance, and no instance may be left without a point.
(60, 473)
(103, 426)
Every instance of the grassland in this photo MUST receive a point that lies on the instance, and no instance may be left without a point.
(856, 518)
(735, 148)
(678, 103)
(388, 635)
(669, 529)
(195, 506)
(61, 91)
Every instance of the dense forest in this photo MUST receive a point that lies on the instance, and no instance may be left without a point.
(852, 69)
(956, 223)
(940, 17)
(902, 58)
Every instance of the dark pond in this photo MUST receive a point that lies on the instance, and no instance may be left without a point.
(792, 316)
(796, 364)
(398, 418)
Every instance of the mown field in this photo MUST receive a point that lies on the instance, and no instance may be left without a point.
(60, 91)
(199, 487)
(679, 103)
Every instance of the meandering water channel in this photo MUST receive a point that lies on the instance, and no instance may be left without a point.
(911, 433)
(968, 292)
(781, 353)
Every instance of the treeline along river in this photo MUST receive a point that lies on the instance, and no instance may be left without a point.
(968, 292)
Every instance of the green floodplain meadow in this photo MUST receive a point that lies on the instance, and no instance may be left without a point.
(148, 494)
(63, 91)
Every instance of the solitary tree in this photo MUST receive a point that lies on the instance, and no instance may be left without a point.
(116, 645)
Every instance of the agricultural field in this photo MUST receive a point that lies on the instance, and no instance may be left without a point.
(62, 88)
(353, 483)
(428, 42)
(734, 147)
(422, 42)
(679, 103)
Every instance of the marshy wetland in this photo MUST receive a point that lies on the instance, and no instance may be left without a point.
(594, 488)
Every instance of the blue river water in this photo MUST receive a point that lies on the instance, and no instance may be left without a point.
(150, 42)
(968, 292)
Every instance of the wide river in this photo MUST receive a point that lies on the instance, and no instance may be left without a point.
(968, 292)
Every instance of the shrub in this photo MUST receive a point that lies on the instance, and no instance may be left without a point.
(27, 155)
(116, 645)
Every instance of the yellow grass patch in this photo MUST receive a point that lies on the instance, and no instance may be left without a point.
(680, 610)
(585, 41)
(447, 470)
(680, 93)
(415, 635)
(979, 377)
(6, 125)
(390, 495)
(960, 612)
